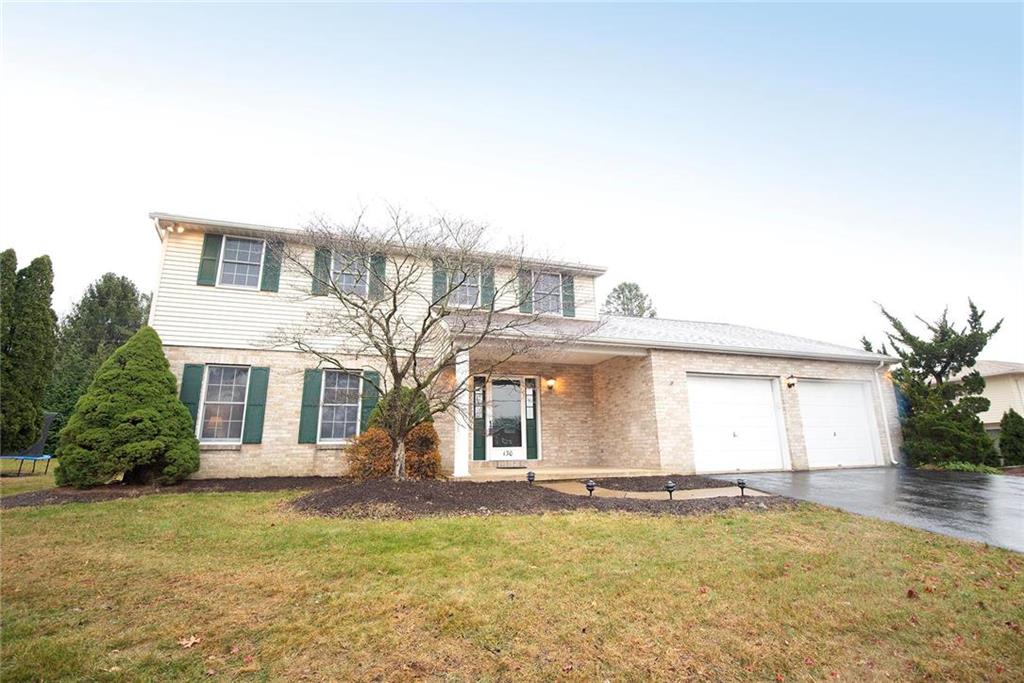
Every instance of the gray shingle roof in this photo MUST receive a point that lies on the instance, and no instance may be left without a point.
(689, 334)
(993, 368)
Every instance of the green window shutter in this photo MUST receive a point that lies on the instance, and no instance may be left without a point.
(371, 380)
(309, 418)
(440, 279)
(255, 405)
(210, 259)
(321, 271)
(487, 287)
(568, 296)
(532, 410)
(191, 386)
(271, 279)
(525, 291)
(378, 271)
(479, 418)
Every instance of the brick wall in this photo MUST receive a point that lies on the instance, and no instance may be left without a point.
(624, 412)
(675, 438)
(280, 453)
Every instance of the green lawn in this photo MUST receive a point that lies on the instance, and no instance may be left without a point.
(110, 591)
(10, 484)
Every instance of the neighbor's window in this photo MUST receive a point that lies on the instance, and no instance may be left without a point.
(339, 406)
(240, 263)
(224, 402)
(547, 293)
(467, 288)
(350, 273)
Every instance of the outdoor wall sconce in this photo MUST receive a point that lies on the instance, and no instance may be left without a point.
(742, 483)
(590, 487)
(791, 381)
(530, 476)
(550, 383)
(670, 487)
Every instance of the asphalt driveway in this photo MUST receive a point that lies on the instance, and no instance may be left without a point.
(977, 507)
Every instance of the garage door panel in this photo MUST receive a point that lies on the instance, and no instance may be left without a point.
(837, 424)
(735, 424)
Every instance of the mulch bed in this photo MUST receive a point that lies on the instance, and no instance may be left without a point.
(59, 496)
(384, 498)
(1014, 471)
(684, 482)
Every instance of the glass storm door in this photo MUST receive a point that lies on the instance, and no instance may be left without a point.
(506, 439)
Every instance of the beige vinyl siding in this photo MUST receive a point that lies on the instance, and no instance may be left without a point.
(1005, 392)
(187, 314)
(586, 308)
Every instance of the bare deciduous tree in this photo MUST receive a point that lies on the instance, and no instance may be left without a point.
(418, 295)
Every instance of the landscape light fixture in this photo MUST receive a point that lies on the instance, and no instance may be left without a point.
(530, 476)
(670, 487)
(590, 487)
(742, 483)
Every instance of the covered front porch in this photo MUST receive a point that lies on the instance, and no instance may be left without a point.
(568, 412)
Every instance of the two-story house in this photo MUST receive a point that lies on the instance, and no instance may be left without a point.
(634, 393)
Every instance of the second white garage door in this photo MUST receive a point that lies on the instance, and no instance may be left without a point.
(735, 424)
(837, 423)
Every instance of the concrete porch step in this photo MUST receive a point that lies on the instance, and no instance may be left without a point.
(480, 473)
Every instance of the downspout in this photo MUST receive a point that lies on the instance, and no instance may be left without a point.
(885, 413)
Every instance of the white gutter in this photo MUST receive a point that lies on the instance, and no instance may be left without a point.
(885, 416)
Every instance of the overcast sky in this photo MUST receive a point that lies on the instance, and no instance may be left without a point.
(781, 166)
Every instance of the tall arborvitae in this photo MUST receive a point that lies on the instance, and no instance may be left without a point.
(8, 276)
(28, 355)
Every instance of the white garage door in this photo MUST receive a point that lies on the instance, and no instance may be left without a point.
(735, 424)
(837, 423)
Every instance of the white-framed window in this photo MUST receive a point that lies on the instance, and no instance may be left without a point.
(350, 273)
(339, 405)
(467, 288)
(547, 293)
(223, 409)
(241, 261)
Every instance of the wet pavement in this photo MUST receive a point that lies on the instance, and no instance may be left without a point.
(977, 507)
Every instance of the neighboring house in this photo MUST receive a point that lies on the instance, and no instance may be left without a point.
(637, 393)
(1004, 388)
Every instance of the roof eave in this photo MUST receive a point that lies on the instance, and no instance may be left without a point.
(247, 229)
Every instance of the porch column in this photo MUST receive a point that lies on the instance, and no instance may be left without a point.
(462, 418)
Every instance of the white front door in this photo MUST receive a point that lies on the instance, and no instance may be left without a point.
(838, 424)
(735, 422)
(506, 433)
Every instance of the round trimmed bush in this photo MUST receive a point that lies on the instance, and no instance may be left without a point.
(370, 454)
(422, 457)
(404, 397)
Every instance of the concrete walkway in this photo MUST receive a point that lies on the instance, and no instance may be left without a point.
(577, 488)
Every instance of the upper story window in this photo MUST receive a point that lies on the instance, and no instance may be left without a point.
(349, 273)
(467, 288)
(339, 406)
(547, 293)
(224, 403)
(241, 261)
